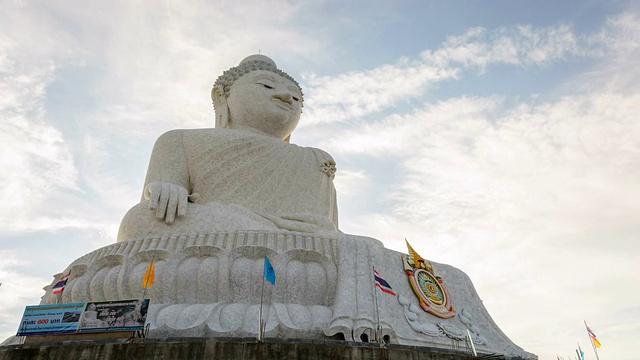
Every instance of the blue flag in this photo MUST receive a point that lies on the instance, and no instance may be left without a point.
(581, 353)
(269, 273)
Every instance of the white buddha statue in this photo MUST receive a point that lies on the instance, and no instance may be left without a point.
(217, 202)
(242, 175)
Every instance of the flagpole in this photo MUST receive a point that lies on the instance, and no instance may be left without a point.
(593, 345)
(580, 352)
(375, 300)
(261, 299)
(473, 347)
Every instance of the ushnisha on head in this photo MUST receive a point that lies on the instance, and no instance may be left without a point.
(257, 96)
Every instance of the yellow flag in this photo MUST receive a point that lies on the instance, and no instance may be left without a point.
(149, 276)
(596, 343)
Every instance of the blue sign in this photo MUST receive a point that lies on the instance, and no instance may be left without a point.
(51, 319)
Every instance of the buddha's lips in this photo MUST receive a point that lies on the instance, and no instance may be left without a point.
(283, 104)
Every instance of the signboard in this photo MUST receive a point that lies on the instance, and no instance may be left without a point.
(105, 316)
(51, 319)
(121, 315)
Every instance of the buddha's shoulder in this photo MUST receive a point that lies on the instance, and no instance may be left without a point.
(322, 156)
(191, 135)
(208, 137)
(187, 133)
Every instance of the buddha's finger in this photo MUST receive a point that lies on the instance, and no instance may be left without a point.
(152, 193)
(162, 203)
(172, 204)
(182, 201)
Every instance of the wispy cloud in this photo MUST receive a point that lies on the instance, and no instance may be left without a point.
(351, 96)
(35, 159)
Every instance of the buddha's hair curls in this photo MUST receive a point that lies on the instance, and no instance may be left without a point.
(228, 77)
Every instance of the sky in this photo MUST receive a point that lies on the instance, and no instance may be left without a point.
(499, 137)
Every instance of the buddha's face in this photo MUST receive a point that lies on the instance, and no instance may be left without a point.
(265, 102)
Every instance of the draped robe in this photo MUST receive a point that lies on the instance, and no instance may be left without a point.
(245, 181)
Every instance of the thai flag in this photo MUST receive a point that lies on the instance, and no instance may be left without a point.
(592, 335)
(382, 283)
(58, 288)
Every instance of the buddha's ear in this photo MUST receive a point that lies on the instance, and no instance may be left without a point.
(220, 106)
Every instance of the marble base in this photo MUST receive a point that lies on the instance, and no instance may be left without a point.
(210, 285)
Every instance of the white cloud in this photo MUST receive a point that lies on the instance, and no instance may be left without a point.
(17, 290)
(558, 164)
(350, 96)
(159, 62)
(351, 183)
(620, 33)
(35, 159)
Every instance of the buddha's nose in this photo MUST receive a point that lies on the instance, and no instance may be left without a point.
(284, 96)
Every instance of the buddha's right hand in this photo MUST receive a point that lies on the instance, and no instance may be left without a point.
(168, 200)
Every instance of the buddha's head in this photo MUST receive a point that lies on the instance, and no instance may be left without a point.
(257, 96)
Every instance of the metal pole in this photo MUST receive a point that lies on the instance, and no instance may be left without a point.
(579, 352)
(375, 300)
(260, 335)
(473, 348)
(593, 345)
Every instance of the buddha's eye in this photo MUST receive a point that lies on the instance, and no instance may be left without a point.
(267, 86)
(295, 98)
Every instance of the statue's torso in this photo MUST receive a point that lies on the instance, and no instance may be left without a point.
(258, 172)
